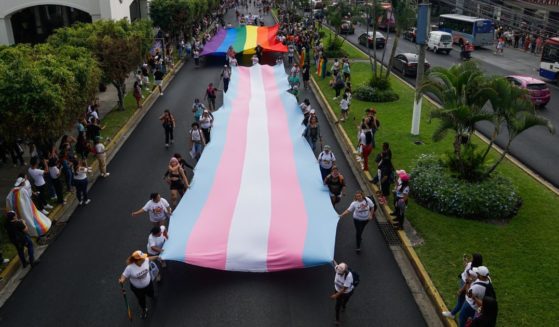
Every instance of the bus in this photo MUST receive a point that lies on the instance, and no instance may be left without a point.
(549, 64)
(478, 31)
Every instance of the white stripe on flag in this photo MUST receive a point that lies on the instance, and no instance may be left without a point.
(248, 237)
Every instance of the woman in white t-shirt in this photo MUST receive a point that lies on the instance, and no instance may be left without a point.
(137, 272)
(206, 123)
(197, 141)
(343, 284)
(158, 209)
(363, 211)
(326, 160)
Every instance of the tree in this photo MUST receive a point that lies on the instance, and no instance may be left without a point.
(44, 90)
(118, 46)
(404, 12)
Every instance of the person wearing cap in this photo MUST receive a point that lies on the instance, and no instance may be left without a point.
(467, 277)
(137, 271)
(401, 193)
(326, 159)
(343, 285)
(226, 75)
(480, 288)
(363, 210)
(18, 234)
(158, 209)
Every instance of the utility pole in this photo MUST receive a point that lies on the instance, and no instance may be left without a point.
(422, 35)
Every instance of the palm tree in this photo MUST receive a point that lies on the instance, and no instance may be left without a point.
(513, 110)
(463, 92)
(404, 12)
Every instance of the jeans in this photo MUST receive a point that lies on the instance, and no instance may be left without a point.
(141, 294)
(81, 189)
(68, 175)
(225, 84)
(359, 227)
(460, 301)
(20, 251)
(324, 172)
(57, 184)
(207, 134)
(168, 133)
(367, 149)
(466, 312)
(341, 302)
(42, 197)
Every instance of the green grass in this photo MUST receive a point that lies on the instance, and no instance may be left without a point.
(521, 254)
(352, 52)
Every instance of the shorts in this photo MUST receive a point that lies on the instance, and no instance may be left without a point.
(177, 185)
(345, 110)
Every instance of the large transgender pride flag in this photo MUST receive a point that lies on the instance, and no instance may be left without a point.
(257, 202)
(244, 39)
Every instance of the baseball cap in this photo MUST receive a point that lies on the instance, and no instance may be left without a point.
(138, 255)
(481, 271)
(327, 147)
(19, 180)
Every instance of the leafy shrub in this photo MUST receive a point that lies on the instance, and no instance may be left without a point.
(321, 34)
(370, 94)
(435, 188)
(335, 53)
(379, 83)
(473, 163)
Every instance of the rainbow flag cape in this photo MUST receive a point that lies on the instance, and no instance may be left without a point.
(244, 39)
(257, 202)
(19, 200)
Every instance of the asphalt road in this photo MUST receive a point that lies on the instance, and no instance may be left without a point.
(76, 283)
(536, 148)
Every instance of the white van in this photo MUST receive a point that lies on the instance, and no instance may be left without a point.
(440, 42)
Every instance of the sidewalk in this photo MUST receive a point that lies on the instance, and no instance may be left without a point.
(107, 102)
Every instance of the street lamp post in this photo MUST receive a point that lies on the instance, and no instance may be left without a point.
(423, 27)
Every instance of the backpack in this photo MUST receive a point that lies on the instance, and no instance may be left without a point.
(489, 290)
(356, 277)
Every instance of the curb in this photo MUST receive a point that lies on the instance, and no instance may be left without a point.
(62, 213)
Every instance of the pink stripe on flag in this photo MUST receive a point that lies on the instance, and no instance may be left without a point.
(207, 244)
(285, 243)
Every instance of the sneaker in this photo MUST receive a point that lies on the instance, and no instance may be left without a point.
(46, 213)
(102, 175)
(53, 197)
(166, 145)
(448, 314)
(48, 206)
(5, 261)
(80, 203)
(144, 314)
(106, 175)
(87, 201)
(358, 250)
(161, 94)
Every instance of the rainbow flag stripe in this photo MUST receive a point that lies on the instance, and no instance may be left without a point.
(20, 202)
(244, 39)
(257, 202)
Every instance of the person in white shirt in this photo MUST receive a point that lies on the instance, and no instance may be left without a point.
(101, 154)
(156, 239)
(54, 172)
(343, 284)
(466, 278)
(137, 272)
(197, 141)
(206, 123)
(38, 177)
(326, 160)
(158, 209)
(480, 288)
(363, 210)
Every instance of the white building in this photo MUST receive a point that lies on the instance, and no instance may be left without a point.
(33, 20)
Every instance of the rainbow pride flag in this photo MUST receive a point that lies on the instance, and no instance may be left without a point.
(257, 202)
(19, 200)
(244, 39)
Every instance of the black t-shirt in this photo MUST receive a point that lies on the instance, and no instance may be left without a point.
(158, 75)
(15, 230)
(335, 185)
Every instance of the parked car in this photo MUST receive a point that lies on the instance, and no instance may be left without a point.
(538, 90)
(410, 34)
(407, 63)
(366, 39)
(440, 42)
(347, 27)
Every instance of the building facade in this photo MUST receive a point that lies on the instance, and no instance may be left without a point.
(32, 21)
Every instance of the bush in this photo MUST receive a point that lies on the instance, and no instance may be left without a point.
(338, 53)
(370, 94)
(379, 83)
(433, 187)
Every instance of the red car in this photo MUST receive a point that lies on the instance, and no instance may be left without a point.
(538, 90)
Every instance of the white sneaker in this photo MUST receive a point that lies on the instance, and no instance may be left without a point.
(106, 174)
(48, 206)
(87, 201)
(161, 94)
(5, 261)
(46, 213)
(166, 145)
(80, 203)
(447, 314)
